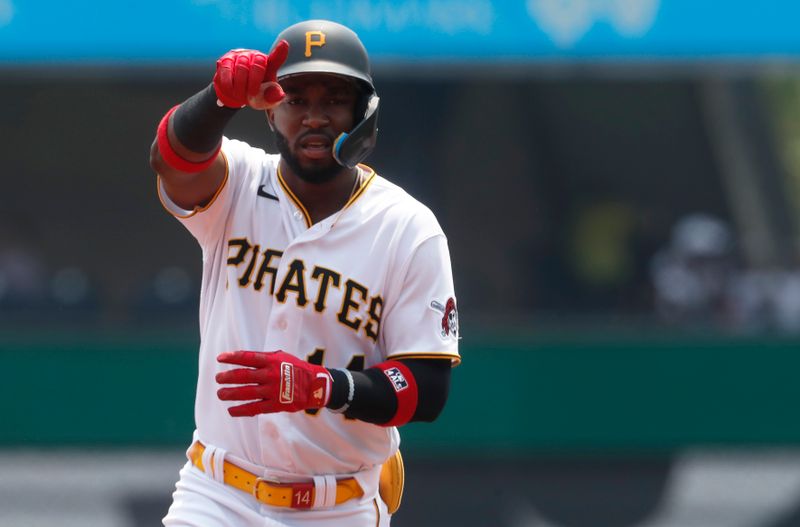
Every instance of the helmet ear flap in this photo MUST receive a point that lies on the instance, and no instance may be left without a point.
(365, 93)
(350, 149)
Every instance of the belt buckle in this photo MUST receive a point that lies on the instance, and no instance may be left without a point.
(255, 486)
(264, 480)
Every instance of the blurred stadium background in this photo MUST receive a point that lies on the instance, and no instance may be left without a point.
(619, 181)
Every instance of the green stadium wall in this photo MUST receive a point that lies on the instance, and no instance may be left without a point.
(559, 394)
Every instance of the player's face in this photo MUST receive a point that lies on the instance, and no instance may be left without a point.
(317, 108)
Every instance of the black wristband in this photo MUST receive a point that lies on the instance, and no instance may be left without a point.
(340, 389)
(199, 121)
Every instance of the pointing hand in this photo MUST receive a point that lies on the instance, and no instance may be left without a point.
(247, 77)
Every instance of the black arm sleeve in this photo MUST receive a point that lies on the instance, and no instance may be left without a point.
(198, 122)
(374, 399)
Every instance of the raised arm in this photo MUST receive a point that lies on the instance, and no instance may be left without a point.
(185, 152)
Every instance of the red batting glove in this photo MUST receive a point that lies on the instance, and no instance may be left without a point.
(274, 381)
(245, 76)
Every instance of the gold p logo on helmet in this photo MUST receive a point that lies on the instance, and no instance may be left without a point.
(311, 41)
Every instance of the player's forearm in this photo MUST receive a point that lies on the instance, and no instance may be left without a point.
(190, 134)
(199, 122)
(186, 150)
(375, 399)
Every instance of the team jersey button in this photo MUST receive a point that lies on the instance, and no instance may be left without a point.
(298, 215)
(282, 324)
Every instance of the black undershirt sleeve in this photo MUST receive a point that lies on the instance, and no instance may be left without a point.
(374, 399)
(199, 122)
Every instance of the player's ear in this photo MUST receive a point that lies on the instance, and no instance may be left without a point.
(270, 119)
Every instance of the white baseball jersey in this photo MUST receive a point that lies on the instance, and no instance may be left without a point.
(371, 282)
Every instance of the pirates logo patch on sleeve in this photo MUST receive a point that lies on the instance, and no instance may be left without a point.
(449, 325)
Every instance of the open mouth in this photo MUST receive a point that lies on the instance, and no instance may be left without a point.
(316, 146)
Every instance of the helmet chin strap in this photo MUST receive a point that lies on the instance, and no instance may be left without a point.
(349, 149)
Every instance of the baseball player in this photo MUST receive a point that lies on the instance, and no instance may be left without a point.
(327, 311)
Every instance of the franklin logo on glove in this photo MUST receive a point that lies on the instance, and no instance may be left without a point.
(287, 390)
(272, 382)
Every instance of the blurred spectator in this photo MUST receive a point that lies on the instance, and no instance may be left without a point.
(691, 275)
(787, 301)
(71, 288)
(750, 293)
(28, 287)
(23, 274)
(766, 299)
(22, 278)
(170, 291)
(697, 281)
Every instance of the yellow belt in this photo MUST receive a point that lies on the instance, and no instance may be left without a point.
(293, 495)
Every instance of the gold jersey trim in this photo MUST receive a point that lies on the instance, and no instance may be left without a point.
(295, 199)
(196, 209)
(358, 193)
(299, 204)
(454, 358)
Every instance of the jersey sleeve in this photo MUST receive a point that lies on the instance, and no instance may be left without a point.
(423, 321)
(207, 223)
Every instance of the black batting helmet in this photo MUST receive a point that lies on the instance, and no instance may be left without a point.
(322, 46)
